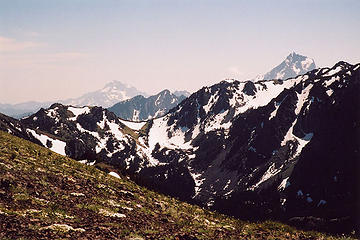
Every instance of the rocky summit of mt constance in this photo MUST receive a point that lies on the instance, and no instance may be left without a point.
(279, 149)
(294, 65)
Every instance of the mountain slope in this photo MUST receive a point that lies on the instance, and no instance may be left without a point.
(112, 93)
(260, 136)
(47, 196)
(294, 65)
(14, 127)
(87, 133)
(238, 147)
(140, 108)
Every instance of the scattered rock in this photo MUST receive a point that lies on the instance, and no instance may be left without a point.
(62, 228)
(30, 211)
(127, 208)
(133, 237)
(111, 214)
(77, 194)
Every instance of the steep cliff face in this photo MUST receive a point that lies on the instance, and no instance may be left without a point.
(300, 152)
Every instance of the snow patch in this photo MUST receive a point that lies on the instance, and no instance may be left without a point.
(280, 74)
(133, 125)
(270, 172)
(333, 71)
(284, 184)
(78, 111)
(289, 136)
(57, 145)
(227, 184)
(114, 174)
(213, 99)
(329, 82)
(87, 162)
(198, 181)
(296, 70)
(273, 113)
(159, 134)
(321, 202)
(306, 63)
(329, 92)
(115, 130)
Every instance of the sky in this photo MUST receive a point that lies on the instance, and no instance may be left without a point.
(59, 49)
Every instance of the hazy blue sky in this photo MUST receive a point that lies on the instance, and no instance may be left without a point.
(55, 49)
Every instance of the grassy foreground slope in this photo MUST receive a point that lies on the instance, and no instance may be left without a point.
(44, 195)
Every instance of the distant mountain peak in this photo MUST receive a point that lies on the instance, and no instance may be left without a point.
(294, 64)
(110, 94)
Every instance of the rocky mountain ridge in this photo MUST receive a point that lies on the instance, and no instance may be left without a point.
(140, 108)
(263, 136)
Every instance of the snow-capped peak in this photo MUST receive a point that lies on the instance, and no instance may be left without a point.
(110, 94)
(294, 65)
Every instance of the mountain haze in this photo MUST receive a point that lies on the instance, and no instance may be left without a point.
(22, 109)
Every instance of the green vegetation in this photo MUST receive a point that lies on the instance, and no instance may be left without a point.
(44, 195)
(128, 131)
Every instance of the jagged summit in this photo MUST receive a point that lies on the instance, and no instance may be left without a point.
(140, 108)
(294, 65)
